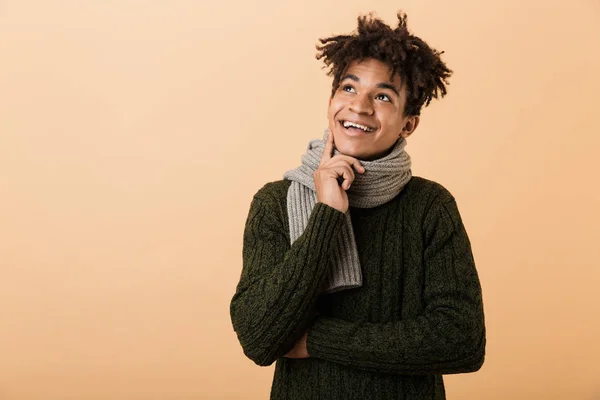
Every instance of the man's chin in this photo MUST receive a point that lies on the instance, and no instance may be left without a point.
(351, 151)
(348, 148)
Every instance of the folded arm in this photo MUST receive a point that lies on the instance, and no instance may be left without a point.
(448, 337)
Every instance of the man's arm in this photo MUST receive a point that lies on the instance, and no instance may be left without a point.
(280, 284)
(448, 337)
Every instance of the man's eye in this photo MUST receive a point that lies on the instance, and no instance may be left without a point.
(347, 88)
(383, 97)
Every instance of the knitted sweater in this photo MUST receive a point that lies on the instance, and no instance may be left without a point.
(418, 315)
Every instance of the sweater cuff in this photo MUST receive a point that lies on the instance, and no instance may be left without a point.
(326, 220)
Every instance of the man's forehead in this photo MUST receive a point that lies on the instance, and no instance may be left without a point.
(382, 71)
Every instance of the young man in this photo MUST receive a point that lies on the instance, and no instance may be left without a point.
(358, 278)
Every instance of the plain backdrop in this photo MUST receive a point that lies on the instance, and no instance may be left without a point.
(134, 133)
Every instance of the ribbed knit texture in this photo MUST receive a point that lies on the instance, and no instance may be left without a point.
(382, 180)
(418, 315)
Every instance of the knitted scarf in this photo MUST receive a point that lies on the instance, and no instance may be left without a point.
(382, 180)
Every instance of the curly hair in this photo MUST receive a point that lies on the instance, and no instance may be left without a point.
(418, 65)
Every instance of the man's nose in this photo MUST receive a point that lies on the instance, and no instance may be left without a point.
(361, 104)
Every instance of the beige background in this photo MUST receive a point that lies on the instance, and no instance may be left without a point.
(133, 134)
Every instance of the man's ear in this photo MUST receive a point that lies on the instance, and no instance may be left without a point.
(410, 125)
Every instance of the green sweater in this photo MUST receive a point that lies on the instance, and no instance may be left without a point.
(418, 315)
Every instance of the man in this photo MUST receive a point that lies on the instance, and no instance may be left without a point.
(358, 278)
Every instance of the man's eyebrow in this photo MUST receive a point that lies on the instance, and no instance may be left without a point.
(382, 85)
(350, 76)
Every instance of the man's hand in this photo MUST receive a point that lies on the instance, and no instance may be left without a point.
(299, 350)
(329, 190)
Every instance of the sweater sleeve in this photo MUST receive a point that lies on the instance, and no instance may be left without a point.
(448, 337)
(279, 285)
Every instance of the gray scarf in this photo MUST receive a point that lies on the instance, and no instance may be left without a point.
(383, 180)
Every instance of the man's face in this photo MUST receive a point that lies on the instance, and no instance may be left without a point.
(366, 97)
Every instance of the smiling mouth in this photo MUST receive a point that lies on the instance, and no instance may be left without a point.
(355, 127)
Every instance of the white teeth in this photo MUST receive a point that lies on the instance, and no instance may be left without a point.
(348, 124)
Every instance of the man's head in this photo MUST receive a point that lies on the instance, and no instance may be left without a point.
(382, 77)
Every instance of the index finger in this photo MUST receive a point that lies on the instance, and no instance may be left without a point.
(328, 150)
